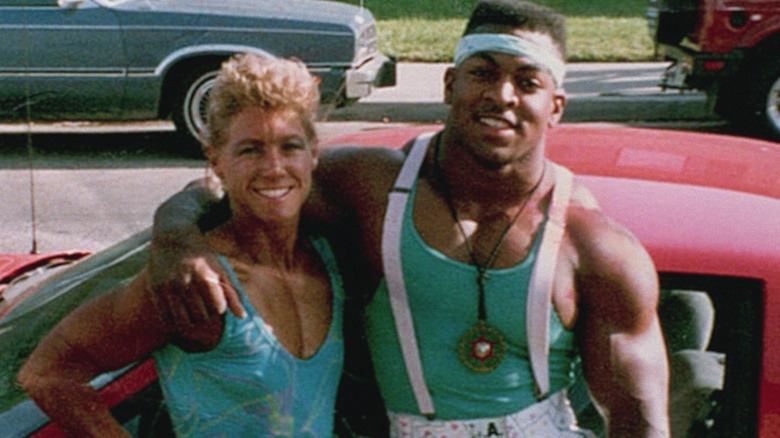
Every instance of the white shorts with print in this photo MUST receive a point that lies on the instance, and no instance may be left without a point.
(550, 418)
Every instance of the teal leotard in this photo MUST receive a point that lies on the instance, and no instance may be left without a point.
(249, 385)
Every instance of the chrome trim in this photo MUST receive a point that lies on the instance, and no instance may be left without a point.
(143, 73)
(59, 74)
(185, 28)
(32, 419)
(359, 82)
(212, 49)
(226, 50)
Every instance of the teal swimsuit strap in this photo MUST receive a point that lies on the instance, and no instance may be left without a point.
(236, 284)
(325, 252)
(326, 255)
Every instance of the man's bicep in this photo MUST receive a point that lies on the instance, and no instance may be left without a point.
(633, 354)
(624, 355)
(619, 299)
(184, 209)
(634, 393)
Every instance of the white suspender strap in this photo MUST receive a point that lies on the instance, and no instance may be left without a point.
(540, 287)
(391, 260)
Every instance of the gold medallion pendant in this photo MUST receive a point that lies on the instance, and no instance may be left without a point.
(481, 348)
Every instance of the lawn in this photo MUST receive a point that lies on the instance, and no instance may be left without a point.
(426, 30)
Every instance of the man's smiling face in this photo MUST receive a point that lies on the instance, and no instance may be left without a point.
(503, 104)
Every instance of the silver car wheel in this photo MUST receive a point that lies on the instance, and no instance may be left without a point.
(773, 106)
(196, 103)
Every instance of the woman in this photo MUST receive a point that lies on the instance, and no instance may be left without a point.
(274, 373)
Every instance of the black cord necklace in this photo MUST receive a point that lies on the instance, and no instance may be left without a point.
(482, 347)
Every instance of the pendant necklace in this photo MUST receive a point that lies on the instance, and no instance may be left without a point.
(482, 347)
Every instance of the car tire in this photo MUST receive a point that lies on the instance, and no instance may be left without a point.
(772, 104)
(189, 110)
(763, 98)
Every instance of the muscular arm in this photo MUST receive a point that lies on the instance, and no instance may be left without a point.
(352, 186)
(184, 209)
(104, 334)
(619, 334)
(183, 269)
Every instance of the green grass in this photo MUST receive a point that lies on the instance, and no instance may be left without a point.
(608, 39)
(426, 30)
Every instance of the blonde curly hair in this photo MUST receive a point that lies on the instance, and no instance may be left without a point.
(248, 80)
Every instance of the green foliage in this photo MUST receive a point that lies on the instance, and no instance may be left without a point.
(608, 39)
(426, 30)
(420, 39)
(423, 9)
(437, 9)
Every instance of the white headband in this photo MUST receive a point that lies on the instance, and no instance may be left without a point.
(513, 45)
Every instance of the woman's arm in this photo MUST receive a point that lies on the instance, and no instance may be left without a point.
(107, 333)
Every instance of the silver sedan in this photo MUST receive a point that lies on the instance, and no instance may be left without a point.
(154, 59)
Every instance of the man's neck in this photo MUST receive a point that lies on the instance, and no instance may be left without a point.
(481, 190)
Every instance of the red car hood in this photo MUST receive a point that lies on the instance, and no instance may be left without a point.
(695, 158)
(13, 265)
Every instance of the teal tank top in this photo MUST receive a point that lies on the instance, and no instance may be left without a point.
(443, 298)
(249, 385)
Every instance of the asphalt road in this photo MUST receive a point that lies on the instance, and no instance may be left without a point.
(95, 183)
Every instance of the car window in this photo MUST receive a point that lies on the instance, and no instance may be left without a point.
(712, 327)
(28, 3)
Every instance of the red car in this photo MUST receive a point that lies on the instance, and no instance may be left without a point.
(706, 207)
(726, 48)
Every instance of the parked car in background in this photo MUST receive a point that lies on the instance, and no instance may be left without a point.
(728, 48)
(154, 59)
(704, 205)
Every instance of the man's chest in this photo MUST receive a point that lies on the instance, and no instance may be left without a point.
(499, 241)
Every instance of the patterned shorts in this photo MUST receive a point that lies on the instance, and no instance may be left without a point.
(551, 418)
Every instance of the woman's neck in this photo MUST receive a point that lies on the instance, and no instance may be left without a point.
(263, 243)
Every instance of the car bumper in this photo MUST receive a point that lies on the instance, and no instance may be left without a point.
(695, 70)
(379, 71)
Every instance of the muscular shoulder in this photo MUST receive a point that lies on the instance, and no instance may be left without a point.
(358, 163)
(613, 271)
(351, 178)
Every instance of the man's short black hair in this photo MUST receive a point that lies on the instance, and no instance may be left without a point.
(522, 15)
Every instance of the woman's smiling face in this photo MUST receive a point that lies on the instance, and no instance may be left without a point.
(265, 164)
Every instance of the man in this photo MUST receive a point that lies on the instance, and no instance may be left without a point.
(493, 269)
